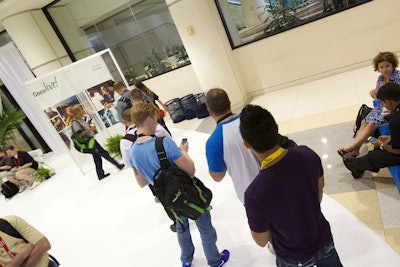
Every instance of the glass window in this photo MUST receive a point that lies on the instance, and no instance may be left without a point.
(141, 34)
(251, 20)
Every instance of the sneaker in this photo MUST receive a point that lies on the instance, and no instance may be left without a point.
(104, 176)
(224, 258)
(121, 166)
(347, 161)
(188, 264)
(22, 187)
(173, 227)
(34, 185)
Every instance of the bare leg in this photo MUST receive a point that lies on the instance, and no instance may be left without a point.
(26, 177)
(366, 130)
(13, 180)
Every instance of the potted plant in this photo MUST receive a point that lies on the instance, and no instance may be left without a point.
(157, 64)
(43, 173)
(10, 119)
(112, 145)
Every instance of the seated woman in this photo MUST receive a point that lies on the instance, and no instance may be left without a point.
(385, 63)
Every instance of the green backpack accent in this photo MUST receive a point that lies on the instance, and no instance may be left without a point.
(84, 144)
(179, 192)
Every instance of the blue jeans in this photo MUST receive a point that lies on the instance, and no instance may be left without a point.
(208, 239)
(325, 257)
(101, 152)
(52, 264)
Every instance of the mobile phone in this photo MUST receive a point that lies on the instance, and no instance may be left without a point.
(371, 139)
(184, 140)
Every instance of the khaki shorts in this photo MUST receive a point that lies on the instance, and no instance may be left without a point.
(4, 174)
(28, 171)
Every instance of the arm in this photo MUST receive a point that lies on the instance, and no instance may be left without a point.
(38, 251)
(261, 239)
(184, 161)
(385, 140)
(163, 105)
(26, 165)
(140, 179)
(22, 255)
(321, 184)
(217, 176)
(5, 168)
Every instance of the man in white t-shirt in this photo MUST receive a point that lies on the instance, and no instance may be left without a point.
(225, 150)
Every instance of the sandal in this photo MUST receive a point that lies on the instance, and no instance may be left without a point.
(341, 152)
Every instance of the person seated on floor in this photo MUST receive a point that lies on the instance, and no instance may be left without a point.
(5, 164)
(5, 170)
(385, 63)
(387, 147)
(23, 166)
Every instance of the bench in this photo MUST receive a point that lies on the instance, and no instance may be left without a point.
(394, 170)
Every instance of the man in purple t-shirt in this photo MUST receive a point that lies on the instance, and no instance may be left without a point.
(283, 201)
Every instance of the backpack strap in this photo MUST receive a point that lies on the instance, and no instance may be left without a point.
(130, 137)
(162, 156)
(7, 228)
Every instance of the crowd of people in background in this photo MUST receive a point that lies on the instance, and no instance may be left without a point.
(247, 146)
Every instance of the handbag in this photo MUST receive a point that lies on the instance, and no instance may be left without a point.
(84, 144)
(362, 113)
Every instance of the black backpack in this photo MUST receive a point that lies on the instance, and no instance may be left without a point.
(9, 189)
(177, 191)
(127, 101)
(362, 113)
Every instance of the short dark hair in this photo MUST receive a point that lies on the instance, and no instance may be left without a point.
(136, 94)
(258, 128)
(217, 101)
(126, 115)
(389, 91)
(10, 147)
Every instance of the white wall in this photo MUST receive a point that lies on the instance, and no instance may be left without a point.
(331, 45)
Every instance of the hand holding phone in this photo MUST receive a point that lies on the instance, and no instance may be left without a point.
(184, 140)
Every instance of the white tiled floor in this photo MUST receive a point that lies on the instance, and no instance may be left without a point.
(115, 223)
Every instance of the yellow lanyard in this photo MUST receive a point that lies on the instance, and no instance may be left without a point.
(271, 157)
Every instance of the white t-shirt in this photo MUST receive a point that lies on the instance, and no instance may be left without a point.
(225, 151)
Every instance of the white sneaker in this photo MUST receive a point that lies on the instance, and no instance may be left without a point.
(34, 185)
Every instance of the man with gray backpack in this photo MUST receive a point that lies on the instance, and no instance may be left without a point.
(145, 163)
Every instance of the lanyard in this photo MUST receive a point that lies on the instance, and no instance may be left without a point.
(16, 160)
(271, 157)
(4, 245)
(224, 117)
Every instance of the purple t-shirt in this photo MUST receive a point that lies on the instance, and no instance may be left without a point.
(284, 199)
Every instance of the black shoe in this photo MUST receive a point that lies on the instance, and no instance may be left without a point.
(173, 227)
(104, 176)
(121, 166)
(354, 172)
